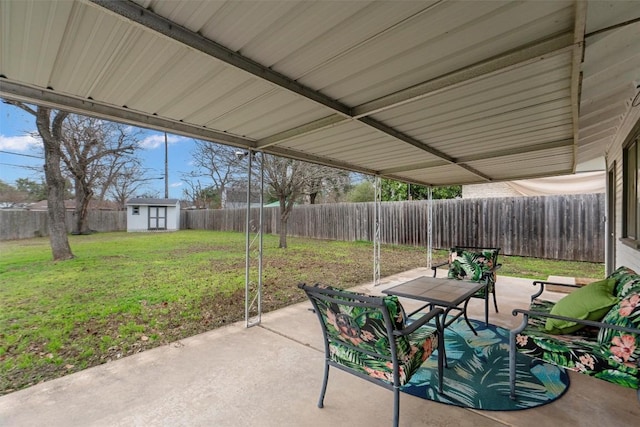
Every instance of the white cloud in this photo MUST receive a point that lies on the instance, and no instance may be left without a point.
(154, 141)
(176, 184)
(19, 143)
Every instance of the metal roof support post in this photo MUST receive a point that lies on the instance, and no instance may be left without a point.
(260, 244)
(253, 252)
(430, 227)
(376, 229)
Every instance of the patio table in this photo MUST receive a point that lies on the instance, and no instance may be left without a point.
(439, 292)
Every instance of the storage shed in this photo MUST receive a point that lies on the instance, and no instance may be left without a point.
(146, 214)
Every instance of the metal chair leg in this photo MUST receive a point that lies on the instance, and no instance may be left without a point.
(512, 365)
(512, 355)
(324, 385)
(396, 405)
(486, 307)
(442, 360)
(495, 301)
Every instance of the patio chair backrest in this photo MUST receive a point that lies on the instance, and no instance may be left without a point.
(358, 330)
(473, 263)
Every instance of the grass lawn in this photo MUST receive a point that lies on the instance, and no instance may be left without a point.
(127, 292)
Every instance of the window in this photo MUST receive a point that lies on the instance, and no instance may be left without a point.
(631, 194)
(135, 210)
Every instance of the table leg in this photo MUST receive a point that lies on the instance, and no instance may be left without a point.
(466, 319)
(441, 326)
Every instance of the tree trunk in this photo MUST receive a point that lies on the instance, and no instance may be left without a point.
(283, 233)
(284, 217)
(55, 182)
(57, 214)
(51, 133)
(81, 210)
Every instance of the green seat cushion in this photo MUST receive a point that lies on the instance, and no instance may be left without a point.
(591, 302)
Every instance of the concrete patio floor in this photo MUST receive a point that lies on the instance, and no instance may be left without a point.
(271, 375)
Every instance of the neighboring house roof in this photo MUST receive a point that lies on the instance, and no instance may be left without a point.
(14, 205)
(152, 202)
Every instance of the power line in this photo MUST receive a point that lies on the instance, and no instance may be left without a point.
(20, 166)
(21, 154)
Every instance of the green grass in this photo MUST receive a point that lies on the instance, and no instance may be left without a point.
(127, 292)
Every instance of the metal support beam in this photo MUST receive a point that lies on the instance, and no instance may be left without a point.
(482, 156)
(376, 229)
(305, 129)
(170, 29)
(253, 251)
(50, 98)
(430, 228)
(580, 24)
(491, 67)
(545, 49)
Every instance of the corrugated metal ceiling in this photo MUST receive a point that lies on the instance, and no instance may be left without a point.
(431, 92)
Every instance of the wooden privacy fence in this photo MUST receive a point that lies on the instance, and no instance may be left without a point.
(27, 224)
(556, 227)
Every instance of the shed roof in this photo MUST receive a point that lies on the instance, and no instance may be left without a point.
(430, 92)
(152, 202)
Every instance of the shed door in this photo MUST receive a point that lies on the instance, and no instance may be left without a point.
(157, 217)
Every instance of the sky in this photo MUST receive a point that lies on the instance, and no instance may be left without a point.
(19, 149)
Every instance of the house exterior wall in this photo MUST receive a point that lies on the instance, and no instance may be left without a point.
(482, 191)
(624, 255)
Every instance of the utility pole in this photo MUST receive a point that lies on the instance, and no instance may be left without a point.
(166, 168)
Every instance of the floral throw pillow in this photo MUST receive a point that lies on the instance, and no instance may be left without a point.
(624, 346)
(469, 265)
(630, 284)
(626, 280)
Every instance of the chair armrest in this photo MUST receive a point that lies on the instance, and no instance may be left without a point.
(491, 271)
(435, 267)
(435, 313)
(542, 283)
(527, 313)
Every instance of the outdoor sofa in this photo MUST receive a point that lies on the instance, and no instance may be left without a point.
(594, 330)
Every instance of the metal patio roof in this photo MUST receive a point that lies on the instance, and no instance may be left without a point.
(429, 92)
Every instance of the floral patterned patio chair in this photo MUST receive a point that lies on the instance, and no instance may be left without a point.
(476, 264)
(369, 336)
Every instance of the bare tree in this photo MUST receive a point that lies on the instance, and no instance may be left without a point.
(200, 196)
(92, 149)
(220, 163)
(287, 180)
(124, 171)
(126, 180)
(49, 124)
(329, 183)
(11, 196)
